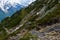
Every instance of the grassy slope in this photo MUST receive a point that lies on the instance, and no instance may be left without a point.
(51, 16)
(15, 19)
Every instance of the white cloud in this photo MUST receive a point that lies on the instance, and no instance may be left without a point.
(13, 3)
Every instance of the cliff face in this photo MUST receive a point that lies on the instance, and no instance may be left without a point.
(38, 21)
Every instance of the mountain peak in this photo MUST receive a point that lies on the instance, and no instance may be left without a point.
(6, 4)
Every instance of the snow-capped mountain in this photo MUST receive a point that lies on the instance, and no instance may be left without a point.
(9, 7)
(6, 4)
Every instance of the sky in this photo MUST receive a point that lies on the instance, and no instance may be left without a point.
(13, 3)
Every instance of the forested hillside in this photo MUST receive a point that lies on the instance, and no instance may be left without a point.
(39, 21)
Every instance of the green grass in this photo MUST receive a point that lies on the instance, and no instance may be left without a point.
(51, 16)
(18, 16)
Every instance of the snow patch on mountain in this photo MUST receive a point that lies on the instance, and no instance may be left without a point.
(7, 4)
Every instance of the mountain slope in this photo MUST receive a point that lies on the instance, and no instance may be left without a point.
(40, 20)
